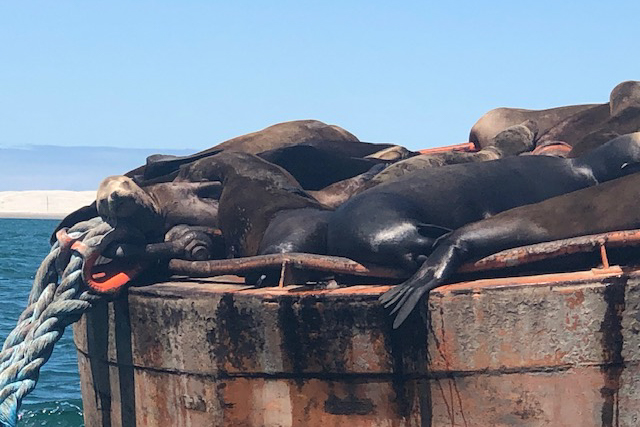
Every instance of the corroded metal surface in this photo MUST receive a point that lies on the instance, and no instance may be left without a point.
(553, 350)
(339, 265)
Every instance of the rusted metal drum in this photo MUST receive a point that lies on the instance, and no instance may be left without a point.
(554, 350)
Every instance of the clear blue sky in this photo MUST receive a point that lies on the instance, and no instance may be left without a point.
(189, 74)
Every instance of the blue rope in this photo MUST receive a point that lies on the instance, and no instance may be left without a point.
(51, 308)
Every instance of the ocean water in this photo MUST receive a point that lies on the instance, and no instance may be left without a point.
(56, 401)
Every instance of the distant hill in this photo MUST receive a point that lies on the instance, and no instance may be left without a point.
(48, 167)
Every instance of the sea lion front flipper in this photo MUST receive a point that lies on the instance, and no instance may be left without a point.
(433, 272)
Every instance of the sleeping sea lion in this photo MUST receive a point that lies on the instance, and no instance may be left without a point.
(611, 206)
(259, 199)
(307, 132)
(157, 208)
(311, 132)
(398, 222)
(511, 141)
(498, 119)
(317, 167)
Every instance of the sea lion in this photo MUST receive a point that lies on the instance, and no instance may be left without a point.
(311, 132)
(623, 96)
(397, 223)
(498, 119)
(593, 127)
(395, 153)
(610, 206)
(259, 198)
(155, 209)
(307, 132)
(573, 128)
(317, 167)
(624, 118)
(511, 141)
(336, 194)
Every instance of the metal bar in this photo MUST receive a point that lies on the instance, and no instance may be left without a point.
(339, 265)
(466, 146)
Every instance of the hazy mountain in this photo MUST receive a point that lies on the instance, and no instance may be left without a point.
(48, 167)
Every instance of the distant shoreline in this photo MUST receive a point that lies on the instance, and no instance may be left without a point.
(30, 215)
(42, 204)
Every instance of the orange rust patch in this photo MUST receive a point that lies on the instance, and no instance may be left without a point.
(575, 300)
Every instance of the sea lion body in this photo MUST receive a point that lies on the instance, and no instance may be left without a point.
(254, 192)
(306, 132)
(161, 169)
(317, 167)
(396, 223)
(498, 119)
(511, 141)
(610, 206)
(593, 127)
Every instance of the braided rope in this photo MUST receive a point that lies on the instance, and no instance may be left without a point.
(53, 305)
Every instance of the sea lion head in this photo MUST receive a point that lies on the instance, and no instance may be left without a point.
(120, 200)
(616, 158)
(623, 96)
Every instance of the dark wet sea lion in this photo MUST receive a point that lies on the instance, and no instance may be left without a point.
(498, 119)
(254, 192)
(397, 223)
(610, 206)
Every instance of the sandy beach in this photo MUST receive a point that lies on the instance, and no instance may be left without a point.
(54, 204)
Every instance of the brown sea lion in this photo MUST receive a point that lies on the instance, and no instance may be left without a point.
(623, 96)
(299, 132)
(157, 208)
(310, 132)
(511, 141)
(498, 119)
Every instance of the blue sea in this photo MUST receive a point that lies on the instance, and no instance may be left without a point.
(56, 401)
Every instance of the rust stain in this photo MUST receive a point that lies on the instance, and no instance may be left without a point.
(575, 300)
